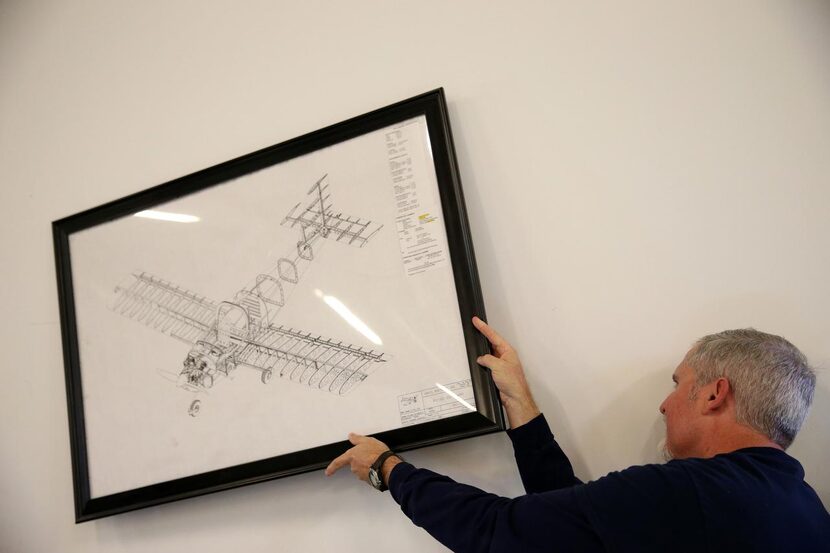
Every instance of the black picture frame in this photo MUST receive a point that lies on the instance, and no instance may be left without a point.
(488, 417)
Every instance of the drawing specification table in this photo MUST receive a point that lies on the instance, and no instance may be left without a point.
(418, 212)
(438, 402)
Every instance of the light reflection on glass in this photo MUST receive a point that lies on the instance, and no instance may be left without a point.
(167, 216)
(349, 317)
(455, 396)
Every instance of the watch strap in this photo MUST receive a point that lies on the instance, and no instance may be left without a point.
(377, 466)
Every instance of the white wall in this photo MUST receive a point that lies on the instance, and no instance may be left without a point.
(637, 174)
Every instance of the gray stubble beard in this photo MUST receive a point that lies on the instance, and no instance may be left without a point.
(664, 451)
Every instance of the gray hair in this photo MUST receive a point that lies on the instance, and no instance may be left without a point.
(770, 377)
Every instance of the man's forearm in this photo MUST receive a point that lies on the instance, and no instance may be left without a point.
(542, 464)
(468, 519)
(522, 411)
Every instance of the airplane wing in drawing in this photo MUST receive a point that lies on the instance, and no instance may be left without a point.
(307, 359)
(164, 306)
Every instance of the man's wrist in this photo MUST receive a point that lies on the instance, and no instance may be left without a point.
(519, 413)
(388, 465)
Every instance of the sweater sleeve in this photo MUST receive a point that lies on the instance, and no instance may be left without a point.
(466, 519)
(543, 466)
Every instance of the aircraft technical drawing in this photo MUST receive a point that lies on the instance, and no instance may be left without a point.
(243, 331)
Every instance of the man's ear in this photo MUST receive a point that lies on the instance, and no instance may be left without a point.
(716, 394)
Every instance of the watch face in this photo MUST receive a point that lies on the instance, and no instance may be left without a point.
(374, 480)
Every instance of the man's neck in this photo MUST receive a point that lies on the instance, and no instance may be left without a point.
(733, 438)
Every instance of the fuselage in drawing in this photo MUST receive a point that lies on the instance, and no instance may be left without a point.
(243, 331)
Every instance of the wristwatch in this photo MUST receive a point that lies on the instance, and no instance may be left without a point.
(375, 472)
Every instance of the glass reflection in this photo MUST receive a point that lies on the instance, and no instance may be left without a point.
(347, 315)
(455, 396)
(167, 216)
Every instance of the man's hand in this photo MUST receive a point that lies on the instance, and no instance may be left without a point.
(365, 452)
(509, 377)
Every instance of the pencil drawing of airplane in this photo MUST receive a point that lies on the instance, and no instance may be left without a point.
(243, 331)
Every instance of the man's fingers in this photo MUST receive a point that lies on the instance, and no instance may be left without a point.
(494, 337)
(339, 463)
(356, 438)
(346, 458)
(491, 362)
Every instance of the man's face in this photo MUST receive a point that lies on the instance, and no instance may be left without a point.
(681, 414)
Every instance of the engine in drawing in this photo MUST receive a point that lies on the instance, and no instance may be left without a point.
(244, 330)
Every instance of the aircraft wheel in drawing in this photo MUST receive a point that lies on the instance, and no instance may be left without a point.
(195, 407)
(207, 381)
(266, 376)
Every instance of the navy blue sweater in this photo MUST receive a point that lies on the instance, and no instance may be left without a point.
(753, 499)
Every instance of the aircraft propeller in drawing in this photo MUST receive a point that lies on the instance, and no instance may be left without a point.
(242, 331)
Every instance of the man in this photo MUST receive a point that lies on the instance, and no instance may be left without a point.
(740, 397)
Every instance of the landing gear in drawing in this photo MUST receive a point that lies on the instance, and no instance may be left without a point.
(195, 407)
